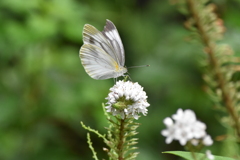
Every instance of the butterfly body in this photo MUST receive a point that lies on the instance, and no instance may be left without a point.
(102, 54)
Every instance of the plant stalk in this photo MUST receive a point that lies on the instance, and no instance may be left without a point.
(121, 140)
(209, 48)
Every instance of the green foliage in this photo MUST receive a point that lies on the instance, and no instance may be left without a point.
(119, 138)
(91, 147)
(122, 132)
(199, 156)
(45, 92)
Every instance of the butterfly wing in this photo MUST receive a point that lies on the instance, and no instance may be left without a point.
(100, 56)
(94, 37)
(97, 63)
(111, 33)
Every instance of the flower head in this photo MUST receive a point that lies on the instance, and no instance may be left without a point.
(127, 99)
(185, 128)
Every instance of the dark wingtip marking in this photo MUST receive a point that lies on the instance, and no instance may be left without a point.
(109, 26)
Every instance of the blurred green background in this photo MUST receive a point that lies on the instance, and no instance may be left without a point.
(45, 92)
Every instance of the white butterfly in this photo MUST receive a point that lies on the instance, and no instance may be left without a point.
(102, 54)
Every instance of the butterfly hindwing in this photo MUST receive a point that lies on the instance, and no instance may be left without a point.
(97, 63)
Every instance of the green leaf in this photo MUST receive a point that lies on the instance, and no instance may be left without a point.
(199, 156)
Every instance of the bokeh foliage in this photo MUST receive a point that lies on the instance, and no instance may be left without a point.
(45, 92)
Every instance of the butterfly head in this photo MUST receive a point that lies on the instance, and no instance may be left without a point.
(120, 70)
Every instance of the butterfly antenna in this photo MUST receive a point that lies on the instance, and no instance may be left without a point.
(139, 66)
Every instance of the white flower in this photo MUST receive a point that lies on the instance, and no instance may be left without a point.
(168, 122)
(127, 99)
(169, 132)
(198, 130)
(187, 116)
(209, 154)
(207, 140)
(185, 128)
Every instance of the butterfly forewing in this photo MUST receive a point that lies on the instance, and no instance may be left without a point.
(92, 36)
(112, 35)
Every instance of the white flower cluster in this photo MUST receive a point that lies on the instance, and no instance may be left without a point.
(186, 128)
(127, 99)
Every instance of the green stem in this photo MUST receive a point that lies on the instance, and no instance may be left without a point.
(210, 46)
(121, 140)
(190, 148)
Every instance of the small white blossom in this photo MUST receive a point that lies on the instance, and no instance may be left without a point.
(127, 99)
(209, 155)
(168, 122)
(169, 132)
(207, 140)
(198, 130)
(184, 128)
